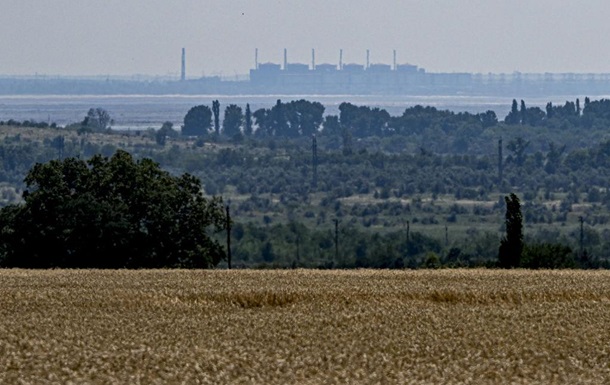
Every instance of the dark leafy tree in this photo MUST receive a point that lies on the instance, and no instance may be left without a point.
(511, 245)
(290, 120)
(553, 158)
(518, 147)
(110, 213)
(488, 119)
(97, 119)
(548, 256)
(364, 121)
(166, 131)
(332, 125)
(263, 122)
(233, 121)
(197, 121)
(304, 117)
(533, 116)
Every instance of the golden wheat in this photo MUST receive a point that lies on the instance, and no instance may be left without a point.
(304, 327)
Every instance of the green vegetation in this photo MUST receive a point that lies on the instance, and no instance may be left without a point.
(511, 245)
(110, 213)
(425, 188)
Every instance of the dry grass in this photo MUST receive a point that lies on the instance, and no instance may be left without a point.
(304, 327)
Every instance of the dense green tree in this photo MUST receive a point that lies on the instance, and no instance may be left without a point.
(488, 119)
(97, 119)
(290, 120)
(110, 213)
(511, 245)
(547, 256)
(553, 158)
(263, 122)
(233, 121)
(364, 121)
(332, 125)
(197, 121)
(304, 117)
(517, 147)
(166, 131)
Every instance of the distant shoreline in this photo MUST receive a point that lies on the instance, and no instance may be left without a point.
(286, 83)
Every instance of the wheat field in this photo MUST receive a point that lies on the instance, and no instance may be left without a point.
(304, 327)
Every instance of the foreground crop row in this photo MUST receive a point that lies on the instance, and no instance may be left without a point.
(300, 326)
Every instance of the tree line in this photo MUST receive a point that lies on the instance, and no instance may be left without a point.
(273, 171)
(304, 118)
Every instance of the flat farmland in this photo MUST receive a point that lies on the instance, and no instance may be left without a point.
(304, 327)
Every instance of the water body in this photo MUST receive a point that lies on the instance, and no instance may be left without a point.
(150, 111)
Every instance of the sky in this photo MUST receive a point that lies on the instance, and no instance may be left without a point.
(128, 37)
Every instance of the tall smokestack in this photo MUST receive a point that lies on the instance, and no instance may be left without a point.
(285, 59)
(368, 53)
(313, 59)
(183, 69)
(341, 59)
(256, 58)
(394, 60)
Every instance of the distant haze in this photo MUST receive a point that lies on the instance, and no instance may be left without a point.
(119, 37)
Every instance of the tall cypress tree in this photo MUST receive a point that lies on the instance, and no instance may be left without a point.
(511, 245)
(248, 128)
(216, 112)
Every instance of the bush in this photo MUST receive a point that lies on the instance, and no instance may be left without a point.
(547, 256)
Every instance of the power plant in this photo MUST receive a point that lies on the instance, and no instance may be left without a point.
(340, 78)
(408, 79)
(348, 78)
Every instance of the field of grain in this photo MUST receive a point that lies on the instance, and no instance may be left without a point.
(304, 327)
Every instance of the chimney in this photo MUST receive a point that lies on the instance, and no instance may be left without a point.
(341, 59)
(183, 69)
(367, 58)
(256, 58)
(285, 59)
(313, 59)
(394, 60)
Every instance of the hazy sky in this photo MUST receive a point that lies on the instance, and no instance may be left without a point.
(122, 37)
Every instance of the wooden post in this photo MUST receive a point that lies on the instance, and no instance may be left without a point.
(228, 237)
(314, 160)
(336, 240)
(500, 165)
(582, 235)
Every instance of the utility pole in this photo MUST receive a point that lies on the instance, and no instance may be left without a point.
(582, 235)
(298, 246)
(500, 176)
(314, 160)
(228, 236)
(336, 240)
(60, 141)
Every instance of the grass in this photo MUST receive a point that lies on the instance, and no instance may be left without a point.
(304, 327)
